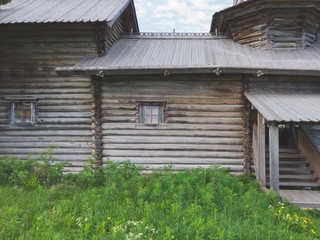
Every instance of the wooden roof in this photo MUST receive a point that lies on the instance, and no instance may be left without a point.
(195, 54)
(48, 11)
(287, 106)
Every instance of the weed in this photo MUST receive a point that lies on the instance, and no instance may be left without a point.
(116, 201)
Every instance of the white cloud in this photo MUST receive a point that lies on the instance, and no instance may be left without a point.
(183, 15)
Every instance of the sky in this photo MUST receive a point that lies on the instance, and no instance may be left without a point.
(181, 15)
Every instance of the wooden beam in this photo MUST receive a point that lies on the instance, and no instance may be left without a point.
(274, 156)
(261, 151)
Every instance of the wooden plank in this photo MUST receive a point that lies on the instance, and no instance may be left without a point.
(164, 153)
(160, 139)
(45, 138)
(64, 107)
(174, 100)
(203, 114)
(43, 144)
(176, 160)
(205, 108)
(66, 151)
(212, 127)
(45, 91)
(62, 114)
(167, 95)
(67, 158)
(126, 112)
(5, 127)
(205, 120)
(46, 133)
(274, 156)
(163, 132)
(47, 84)
(64, 120)
(170, 120)
(194, 146)
(181, 167)
(44, 97)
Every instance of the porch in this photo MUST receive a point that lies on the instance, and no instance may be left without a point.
(302, 198)
(286, 156)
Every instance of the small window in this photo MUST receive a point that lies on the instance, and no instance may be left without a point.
(22, 112)
(152, 112)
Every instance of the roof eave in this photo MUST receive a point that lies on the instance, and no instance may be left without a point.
(217, 70)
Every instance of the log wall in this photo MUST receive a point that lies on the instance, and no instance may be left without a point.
(278, 25)
(267, 83)
(203, 126)
(29, 55)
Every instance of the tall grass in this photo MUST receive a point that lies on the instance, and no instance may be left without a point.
(117, 202)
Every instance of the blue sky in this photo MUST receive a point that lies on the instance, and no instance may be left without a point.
(183, 15)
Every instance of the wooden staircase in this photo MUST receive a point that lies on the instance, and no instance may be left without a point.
(295, 172)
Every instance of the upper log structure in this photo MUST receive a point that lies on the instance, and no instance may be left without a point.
(280, 24)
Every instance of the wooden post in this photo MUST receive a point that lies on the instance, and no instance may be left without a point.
(261, 150)
(274, 156)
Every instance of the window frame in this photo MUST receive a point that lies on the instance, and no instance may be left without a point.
(12, 103)
(142, 104)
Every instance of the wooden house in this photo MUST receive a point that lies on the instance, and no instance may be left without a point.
(36, 105)
(88, 79)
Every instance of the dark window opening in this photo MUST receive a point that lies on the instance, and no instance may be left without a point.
(152, 112)
(22, 112)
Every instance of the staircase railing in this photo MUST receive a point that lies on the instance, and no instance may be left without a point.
(309, 150)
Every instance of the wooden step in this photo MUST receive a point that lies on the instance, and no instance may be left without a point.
(285, 150)
(291, 163)
(294, 169)
(295, 172)
(288, 156)
(299, 184)
(299, 177)
(305, 184)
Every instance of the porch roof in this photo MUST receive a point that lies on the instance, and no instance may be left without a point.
(287, 106)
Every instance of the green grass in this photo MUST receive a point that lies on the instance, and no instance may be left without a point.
(119, 203)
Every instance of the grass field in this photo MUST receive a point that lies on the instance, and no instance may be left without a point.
(117, 202)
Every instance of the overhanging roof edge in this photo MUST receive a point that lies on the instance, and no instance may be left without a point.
(75, 71)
